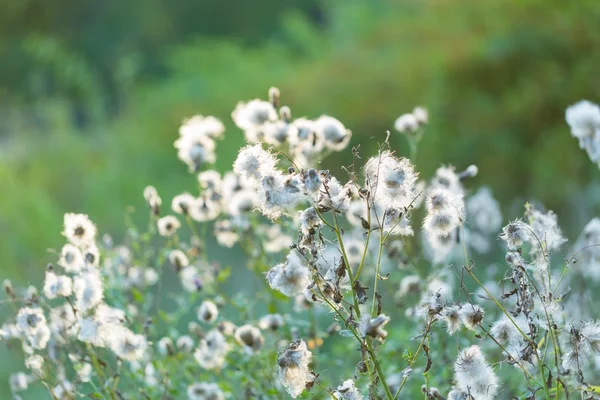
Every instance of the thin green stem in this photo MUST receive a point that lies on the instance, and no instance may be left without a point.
(367, 346)
(377, 269)
(346, 262)
(364, 256)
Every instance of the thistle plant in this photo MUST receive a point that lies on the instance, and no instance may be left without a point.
(371, 284)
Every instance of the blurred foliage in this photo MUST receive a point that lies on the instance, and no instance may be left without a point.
(93, 94)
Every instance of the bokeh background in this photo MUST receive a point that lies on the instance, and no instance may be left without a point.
(92, 94)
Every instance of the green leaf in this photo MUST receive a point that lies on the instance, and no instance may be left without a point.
(223, 274)
(137, 296)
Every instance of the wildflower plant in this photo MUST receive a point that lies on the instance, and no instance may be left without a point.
(371, 284)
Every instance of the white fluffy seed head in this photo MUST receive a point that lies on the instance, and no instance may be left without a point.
(471, 316)
(407, 123)
(348, 391)
(249, 337)
(254, 162)
(168, 225)
(208, 311)
(333, 133)
(71, 258)
(473, 375)
(79, 230)
(199, 125)
(583, 118)
(291, 277)
(294, 371)
(515, 234)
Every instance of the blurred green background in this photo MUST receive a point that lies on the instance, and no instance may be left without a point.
(92, 94)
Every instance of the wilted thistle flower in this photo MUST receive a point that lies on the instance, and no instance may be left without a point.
(312, 182)
(128, 345)
(31, 294)
(583, 341)
(446, 177)
(152, 199)
(204, 208)
(227, 328)
(182, 203)
(88, 289)
(421, 115)
(337, 196)
(212, 350)
(409, 284)
(335, 136)
(278, 132)
(505, 331)
(35, 363)
(411, 122)
(250, 117)
(294, 371)
(373, 327)
(195, 150)
(90, 331)
(452, 317)
(483, 211)
(584, 120)
(472, 375)
(199, 125)
(253, 162)
(290, 277)
(348, 391)
(390, 180)
(546, 229)
(471, 315)
(32, 325)
(431, 393)
(8, 288)
(205, 391)
(271, 322)
(57, 285)
(168, 225)
(184, 343)
(104, 328)
(249, 337)
(63, 321)
(208, 311)
(91, 255)
(210, 181)
(397, 186)
(440, 199)
(303, 132)
(515, 234)
(441, 223)
(444, 212)
(309, 221)
(64, 389)
(278, 193)
(274, 95)
(19, 382)
(149, 192)
(226, 233)
(178, 259)
(78, 229)
(84, 372)
(165, 346)
(191, 279)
